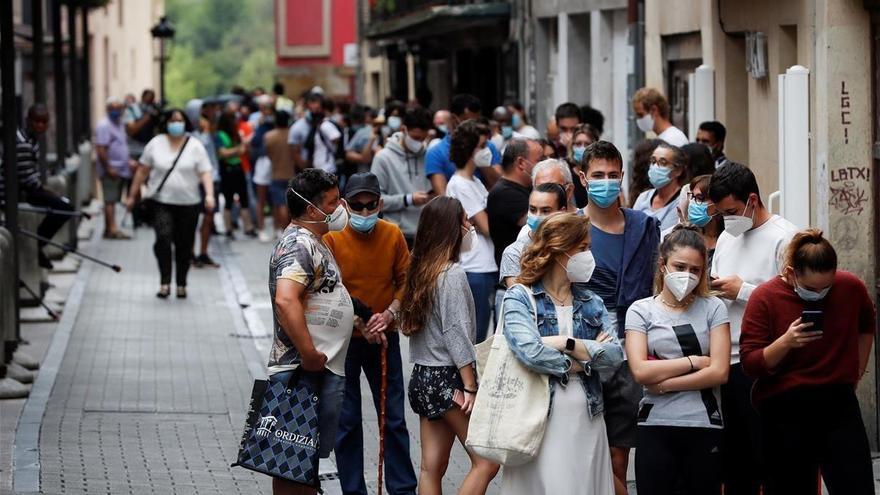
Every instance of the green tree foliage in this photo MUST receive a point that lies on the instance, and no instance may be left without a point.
(218, 44)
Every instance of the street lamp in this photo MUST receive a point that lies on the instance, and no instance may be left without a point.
(162, 31)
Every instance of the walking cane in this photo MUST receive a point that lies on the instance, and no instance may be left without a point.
(67, 249)
(33, 294)
(382, 392)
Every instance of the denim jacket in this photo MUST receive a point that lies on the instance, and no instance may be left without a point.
(590, 318)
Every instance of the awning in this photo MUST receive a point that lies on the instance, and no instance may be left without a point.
(440, 19)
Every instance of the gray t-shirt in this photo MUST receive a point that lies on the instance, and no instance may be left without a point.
(448, 336)
(674, 335)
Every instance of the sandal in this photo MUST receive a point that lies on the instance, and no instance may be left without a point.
(181, 292)
(164, 292)
(118, 235)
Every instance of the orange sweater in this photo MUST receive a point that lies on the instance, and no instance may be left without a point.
(373, 265)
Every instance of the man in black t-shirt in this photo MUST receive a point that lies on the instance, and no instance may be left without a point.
(508, 201)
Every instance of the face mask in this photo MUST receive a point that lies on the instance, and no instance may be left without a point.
(483, 158)
(659, 176)
(176, 129)
(114, 114)
(335, 221)
(413, 145)
(580, 267)
(394, 122)
(363, 224)
(603, 192)
(533, 221)
(578, 153)
(680, 284)
(339, 119)
(737, 225)
(645, 123)
(516, 121)
(467, 240)
(506, 131)
(809, 295)
(443, 128)
(698, 213)
(309, 115)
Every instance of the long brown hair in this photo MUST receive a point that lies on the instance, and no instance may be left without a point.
(684, 236)
(556, 235)
(438, 242)
(810, 250)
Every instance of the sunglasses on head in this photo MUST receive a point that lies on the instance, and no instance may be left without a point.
(355, 206)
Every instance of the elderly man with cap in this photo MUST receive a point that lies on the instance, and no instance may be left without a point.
(114, 165)
(372, 256)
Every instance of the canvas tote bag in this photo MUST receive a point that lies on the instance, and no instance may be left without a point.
(510, 413)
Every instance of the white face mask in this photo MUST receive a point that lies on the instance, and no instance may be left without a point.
(483, 158)
(467, 240)
(580, 267)
(809, 295)
(680, 284)
(413, 145)
(645, 122)
(335, 221)
(737, 225)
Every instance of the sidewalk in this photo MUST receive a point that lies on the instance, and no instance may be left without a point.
(151, 394)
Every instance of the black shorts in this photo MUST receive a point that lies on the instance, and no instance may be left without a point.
(431, 389)
(621, 395)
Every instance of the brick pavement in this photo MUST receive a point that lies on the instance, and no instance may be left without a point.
(151, 394)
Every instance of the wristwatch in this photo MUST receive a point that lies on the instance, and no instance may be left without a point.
(569, 345)
(394, 314)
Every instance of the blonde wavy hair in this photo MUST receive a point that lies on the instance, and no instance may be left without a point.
(557, 235)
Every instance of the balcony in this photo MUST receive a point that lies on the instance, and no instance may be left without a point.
(418, 18)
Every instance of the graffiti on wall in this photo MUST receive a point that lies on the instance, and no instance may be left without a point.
(845, 111)
(848, 198)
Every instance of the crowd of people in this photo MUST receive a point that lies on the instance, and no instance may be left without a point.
(680, 317)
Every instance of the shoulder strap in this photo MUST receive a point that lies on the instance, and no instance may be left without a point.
(173, 165)
(499, 327)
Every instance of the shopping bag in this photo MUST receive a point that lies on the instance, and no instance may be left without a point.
(510, 412)
(281, 432)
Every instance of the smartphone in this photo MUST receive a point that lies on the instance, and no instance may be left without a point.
(458, 398)
(814, 317)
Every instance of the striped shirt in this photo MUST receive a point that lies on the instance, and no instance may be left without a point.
(27, 152)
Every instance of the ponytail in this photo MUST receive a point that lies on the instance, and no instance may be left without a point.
(809, 250)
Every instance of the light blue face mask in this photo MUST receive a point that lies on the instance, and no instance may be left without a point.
(578, 153)
(443, 128)
(810, 295)
(363, 224)
(516, 121)
(394, 122)
(603, 192)
(176, 129)
(698, 213)
(659, 176)
(533, 221)
(506, 131)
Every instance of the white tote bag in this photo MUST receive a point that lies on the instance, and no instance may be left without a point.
(510, 413)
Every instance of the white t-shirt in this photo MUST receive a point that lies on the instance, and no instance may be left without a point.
(527, 132)
(473, 196)
(756, 257)
(673, 136)
(325, 150)
(182, 186)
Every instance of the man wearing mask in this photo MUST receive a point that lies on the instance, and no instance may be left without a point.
(140, 122)
(568, 117)
(521, 127)
(299, 131)
(508, 201)
(359, 149)
(439, 168)
(441, 126)
(379, 288)
(748, 253)
(400, 169)
(712, 134)
(312, 310)
(625, 246)
(114, 164)
(505, 131)
(30, 186)
(652, 115)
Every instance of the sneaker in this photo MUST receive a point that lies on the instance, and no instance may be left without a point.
(264, 237)
(11, 389)
(25, 360)
(251, 233)
(19, 373)
(205, 260)
(44, 261)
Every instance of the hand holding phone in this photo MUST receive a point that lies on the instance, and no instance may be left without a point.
(814, 317)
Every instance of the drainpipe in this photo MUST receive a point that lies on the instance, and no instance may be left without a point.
(636, 76)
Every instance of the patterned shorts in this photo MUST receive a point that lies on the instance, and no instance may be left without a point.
(431, 389)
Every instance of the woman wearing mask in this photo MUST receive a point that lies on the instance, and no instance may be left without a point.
(468, 151)
(438, 316)
(678, 347)
(667, 173)
(232, 178)
(701, 213)
(583, 136)
(176, 165)
(641, 161)
(567, 341)
(806, 339)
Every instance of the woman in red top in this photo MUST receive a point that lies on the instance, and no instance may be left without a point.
(806, 372)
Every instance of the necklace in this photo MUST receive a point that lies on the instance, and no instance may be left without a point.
(683, 304)
(557, 300)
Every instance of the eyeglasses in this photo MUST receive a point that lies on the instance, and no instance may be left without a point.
(663, 162)
(372, 205)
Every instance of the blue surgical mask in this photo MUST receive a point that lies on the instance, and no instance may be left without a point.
(578, 153)
(603, 192)
(659, 176)
(516, 121)
(809, 295)
(394, 122)
(533, 221)
(363, 224)
(176, 129)
(698, 213)
(114, 114)
(308, 115)
(443, 128)
(506, 131)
